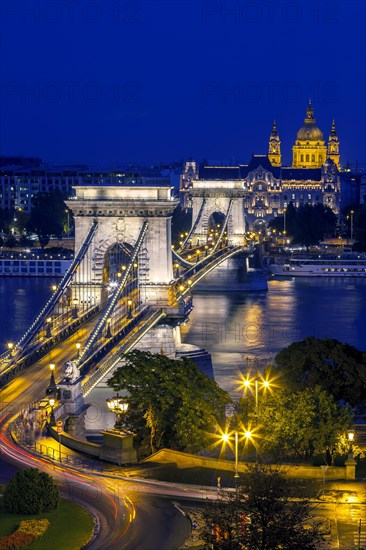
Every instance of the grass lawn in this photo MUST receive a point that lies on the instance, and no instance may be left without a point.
(71, 527)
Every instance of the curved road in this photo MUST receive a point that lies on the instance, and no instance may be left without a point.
(143, 522)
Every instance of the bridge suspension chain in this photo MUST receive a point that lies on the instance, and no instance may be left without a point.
(224, 225)
(53, 301)
(113, 299)
(193, 228)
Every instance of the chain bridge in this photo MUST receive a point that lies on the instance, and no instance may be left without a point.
(127, 285)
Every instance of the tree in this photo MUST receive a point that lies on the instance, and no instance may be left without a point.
(172, 404)
(47, 216)
(262, 515)
(338, 368)
(30, 492)
(302, 423)
(307, 225)
(6, 219)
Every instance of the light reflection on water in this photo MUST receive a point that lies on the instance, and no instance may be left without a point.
(232, 326)
(236, 326)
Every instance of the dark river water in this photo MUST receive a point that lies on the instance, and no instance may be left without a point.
(236, 328)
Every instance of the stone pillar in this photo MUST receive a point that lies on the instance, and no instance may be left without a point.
(237, 227)
(118, 447)
(350, 465)
(160, 339)
(75, 425)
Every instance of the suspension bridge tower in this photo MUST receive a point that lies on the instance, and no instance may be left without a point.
(123, 214)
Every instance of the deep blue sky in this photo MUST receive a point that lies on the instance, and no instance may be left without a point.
(110, 81)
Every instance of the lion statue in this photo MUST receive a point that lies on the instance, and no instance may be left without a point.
(70, 372)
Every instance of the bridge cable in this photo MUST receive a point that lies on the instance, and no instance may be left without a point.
(193, 228)
(224, 225)
(52, 302)
(87, 348)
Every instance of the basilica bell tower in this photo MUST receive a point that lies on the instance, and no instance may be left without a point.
(274, 147)
(333, 146)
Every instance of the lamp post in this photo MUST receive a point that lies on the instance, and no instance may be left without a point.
(108, 334)
(52, 387)
(75, 308)
(129, 314)
(48, 327)
(225, 438)
(119, 406)
(10, 346)
(78, 346)
(351, 437)
(247, 383)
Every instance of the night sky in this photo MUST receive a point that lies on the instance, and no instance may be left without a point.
(113, 82)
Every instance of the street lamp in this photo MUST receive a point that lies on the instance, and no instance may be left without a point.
(226, 438)
(247, 383)
(119, 406)
(75, 308)
(52, 387)
(351, 437)
(109, 332)
(54, 288)
(10, 346)
(78, 346)
(52, 417)
(48, 327)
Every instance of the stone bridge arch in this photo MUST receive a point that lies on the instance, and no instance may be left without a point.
(213, 196)
(121, 212)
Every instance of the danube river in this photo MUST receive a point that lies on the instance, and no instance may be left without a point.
(238, 329)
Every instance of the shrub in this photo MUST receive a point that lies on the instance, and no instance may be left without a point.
(30, 492)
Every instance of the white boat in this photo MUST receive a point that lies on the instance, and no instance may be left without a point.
(353, 266)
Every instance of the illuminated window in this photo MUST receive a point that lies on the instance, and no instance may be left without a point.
(309, 196)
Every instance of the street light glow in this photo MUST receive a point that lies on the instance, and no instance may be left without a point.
(52, 366)
(225, 437)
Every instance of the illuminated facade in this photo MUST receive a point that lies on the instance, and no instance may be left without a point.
(268, 186)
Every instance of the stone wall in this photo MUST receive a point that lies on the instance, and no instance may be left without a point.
(186, 460)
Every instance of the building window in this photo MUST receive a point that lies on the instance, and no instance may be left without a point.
(312, 158)
(302, 158)
(293, 196)
(285, 197)
(320, 159)
(309, 196)
(307, 158)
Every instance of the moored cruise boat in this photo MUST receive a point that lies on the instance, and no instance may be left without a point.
(321, 267)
